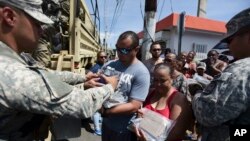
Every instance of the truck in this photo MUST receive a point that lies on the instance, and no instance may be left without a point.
(83, 40)
(83, 43)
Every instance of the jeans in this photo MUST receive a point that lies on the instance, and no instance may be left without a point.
(96, 119)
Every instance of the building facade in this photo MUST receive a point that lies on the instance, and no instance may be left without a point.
(200, 34)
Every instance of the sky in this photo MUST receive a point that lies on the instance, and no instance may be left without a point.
(129, 14)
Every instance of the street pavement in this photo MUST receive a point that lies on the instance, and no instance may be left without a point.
(87, 132)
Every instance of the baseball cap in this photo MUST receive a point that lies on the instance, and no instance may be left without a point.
(31, 7)
(201, 65)
(239, 21)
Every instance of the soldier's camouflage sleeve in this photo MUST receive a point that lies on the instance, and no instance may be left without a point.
(69, 77)
(24, 90)
(222, 100)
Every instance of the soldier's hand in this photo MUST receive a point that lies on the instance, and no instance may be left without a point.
(113, 80)
(91, 75)
(92, 83)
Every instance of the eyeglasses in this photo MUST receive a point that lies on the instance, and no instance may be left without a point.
(154, 50)
(124, 51)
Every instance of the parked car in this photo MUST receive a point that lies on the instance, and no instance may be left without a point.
(223, 50)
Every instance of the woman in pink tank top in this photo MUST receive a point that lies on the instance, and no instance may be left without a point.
(167, 101)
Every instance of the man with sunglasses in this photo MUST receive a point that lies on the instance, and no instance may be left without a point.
(224, 103)
(155, 50)
(101, 59)
(29, 92)
(132, 89)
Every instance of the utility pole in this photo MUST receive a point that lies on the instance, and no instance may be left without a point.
(201, 11)
(149, 28)
(180, 29)
(105, 25)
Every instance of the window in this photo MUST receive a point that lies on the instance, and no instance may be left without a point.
(201, 51)
(200, 48)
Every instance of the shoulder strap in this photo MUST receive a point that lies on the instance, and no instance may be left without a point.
(171, 97)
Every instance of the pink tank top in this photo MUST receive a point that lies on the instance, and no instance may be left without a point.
(166, 111)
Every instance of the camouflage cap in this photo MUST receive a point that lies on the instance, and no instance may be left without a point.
(239, 21)
(31, 7)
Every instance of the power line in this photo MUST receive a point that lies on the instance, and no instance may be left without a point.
(161, 10)
(158, 2)
(171, 6)
(114, 16)
(117, 13)
(92, 5)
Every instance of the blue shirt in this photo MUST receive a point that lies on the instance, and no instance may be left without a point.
(96, 67)
(134, 82)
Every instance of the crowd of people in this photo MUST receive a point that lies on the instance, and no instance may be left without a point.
(210, 93)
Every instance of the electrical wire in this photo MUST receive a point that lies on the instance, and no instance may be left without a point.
(114, 17)
(161, 10)
(117, 13)
(171, 6)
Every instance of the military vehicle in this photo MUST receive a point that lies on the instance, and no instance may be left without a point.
(82, 39)
(80, 42)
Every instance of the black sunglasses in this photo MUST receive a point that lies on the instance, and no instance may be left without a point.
(124, 51)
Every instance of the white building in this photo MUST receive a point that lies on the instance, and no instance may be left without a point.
(200, 34)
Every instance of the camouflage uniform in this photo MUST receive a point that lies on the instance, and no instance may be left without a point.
(42, 53)
(24, 91)
(225, 101)
(180, 84)
(58, 11)
(51, 39)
